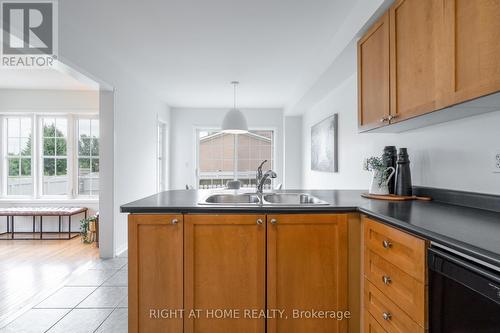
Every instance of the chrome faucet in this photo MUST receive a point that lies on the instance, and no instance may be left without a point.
(259, 171)
(261, 178)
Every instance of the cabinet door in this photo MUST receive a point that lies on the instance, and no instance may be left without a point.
(373, 76)
(155, 272)
(307, 269)
(224, 270)
(415, 27)
(472, 60)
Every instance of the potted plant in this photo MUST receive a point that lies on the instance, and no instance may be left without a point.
(87, 227)
(380, 175)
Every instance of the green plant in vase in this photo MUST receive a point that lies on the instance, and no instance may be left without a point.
(380, 175)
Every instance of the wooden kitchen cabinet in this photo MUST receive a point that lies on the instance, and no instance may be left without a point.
(155, 272)
(307, 268)
(373, 76)
(434, 55)
(395, 279)
(224, 268)
(471, 55)
(415, 27)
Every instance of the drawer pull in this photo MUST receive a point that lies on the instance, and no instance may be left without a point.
(386, 244)
(386, 316)
(175, 221)
(259, 221)
(274, 221)
(386, 279)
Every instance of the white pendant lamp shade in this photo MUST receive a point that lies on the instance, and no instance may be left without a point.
(234, 121)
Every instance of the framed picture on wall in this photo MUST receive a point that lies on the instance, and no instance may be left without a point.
(324, 145)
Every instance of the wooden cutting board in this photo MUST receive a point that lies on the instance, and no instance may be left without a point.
(393, 197)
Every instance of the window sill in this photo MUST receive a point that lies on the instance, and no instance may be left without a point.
(51, 201)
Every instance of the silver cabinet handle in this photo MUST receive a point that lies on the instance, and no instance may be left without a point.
(174, 221)
(386, 244)
(386, 279)
(259, 221)
(384, 119)
(274, 221)
(386, 316)
(391, 117)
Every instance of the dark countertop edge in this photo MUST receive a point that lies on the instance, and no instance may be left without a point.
(239, 209)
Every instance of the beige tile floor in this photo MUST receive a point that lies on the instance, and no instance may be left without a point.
(94, 300)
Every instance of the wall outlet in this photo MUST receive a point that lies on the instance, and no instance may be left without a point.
(496, 162)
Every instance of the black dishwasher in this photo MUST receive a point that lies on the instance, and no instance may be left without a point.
(464, 296)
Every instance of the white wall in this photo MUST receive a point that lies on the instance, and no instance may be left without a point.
(135, 112)
(453, 155)
(183, 140)
(293, 152)
(49, 100)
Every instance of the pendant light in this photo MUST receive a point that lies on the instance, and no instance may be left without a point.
(234, 121)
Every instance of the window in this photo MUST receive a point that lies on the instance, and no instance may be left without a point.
(223, 157)
(88, 156)
(54, 156)
(45, 155)
(19, 142)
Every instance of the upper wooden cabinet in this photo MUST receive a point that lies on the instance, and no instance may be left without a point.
(155, 272)
(373, 76)
(415, 26)
(225, 268)
(471, 61)
(307, 269)
(441, 53)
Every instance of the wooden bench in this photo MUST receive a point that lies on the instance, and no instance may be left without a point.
(60, 212)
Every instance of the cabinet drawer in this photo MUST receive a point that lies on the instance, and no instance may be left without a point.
(400, 287)
(401, 249)
(371, 325)
(388, 314)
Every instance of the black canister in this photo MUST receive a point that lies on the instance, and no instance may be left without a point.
(389, 158)
(403, 174)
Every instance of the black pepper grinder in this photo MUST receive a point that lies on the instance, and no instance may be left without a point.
(389, 158)
(403, 174)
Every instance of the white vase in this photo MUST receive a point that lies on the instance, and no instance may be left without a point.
(378, 186)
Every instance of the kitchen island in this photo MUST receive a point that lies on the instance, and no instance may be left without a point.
(249, 268)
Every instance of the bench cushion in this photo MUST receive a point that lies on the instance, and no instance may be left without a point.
(41, 211)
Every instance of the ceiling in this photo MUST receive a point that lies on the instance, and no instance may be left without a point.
(188, 51)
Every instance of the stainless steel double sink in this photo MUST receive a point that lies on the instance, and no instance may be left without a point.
(273, 199)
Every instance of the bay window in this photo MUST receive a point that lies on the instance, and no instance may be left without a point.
(49, 156)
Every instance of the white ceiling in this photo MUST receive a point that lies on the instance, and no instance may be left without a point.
(188, 51)
(49, 79)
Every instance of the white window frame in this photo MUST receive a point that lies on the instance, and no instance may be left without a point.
(197, 130)
(69, 153)
(76, 139)
(37, 156)
(3, 153)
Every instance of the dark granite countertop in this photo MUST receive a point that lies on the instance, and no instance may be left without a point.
(474, 232)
